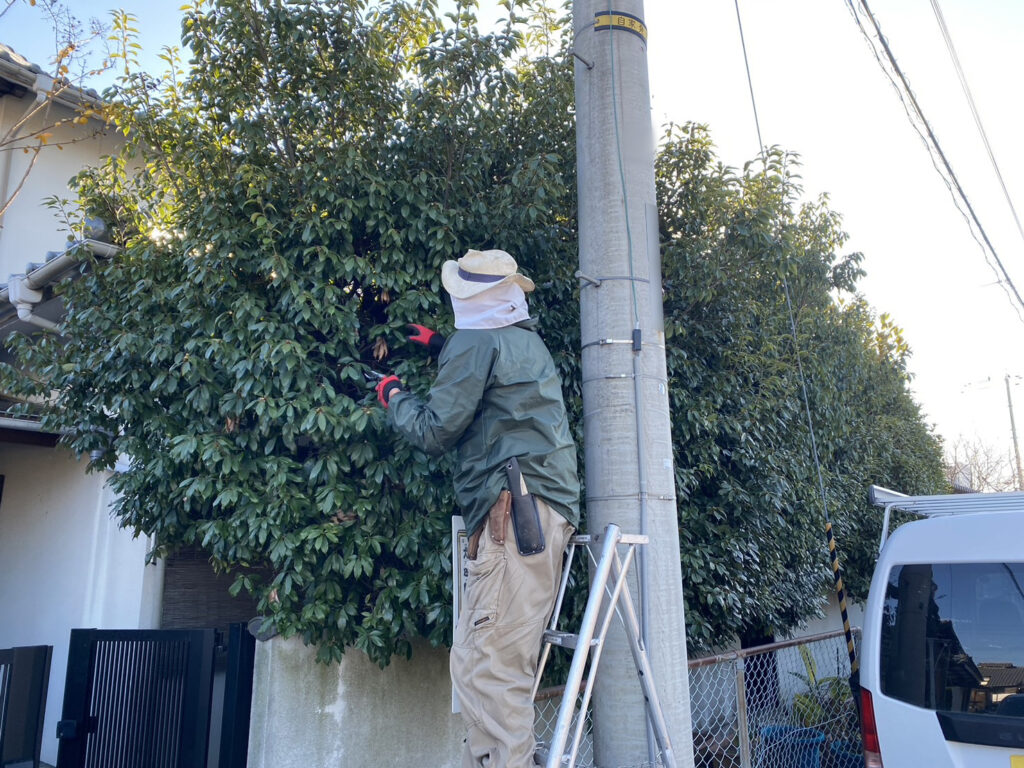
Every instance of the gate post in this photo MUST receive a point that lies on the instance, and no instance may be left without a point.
(234, 734)
(195, 728)
(74, 724)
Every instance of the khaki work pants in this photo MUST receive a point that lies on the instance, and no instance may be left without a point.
(508, 603)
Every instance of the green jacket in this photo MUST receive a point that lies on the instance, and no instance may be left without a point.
(496, 396)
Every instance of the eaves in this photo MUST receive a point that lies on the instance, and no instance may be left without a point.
(19, 76)
(39, 280)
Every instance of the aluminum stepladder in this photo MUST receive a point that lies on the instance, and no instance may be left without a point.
(597, 617)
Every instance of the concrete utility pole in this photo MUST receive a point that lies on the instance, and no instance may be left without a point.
(1013, 432)
(627, 436)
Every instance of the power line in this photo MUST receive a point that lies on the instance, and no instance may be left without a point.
(920, 124)
(974, 110)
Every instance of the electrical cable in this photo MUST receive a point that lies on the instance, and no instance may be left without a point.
(833, 554)
(622, 172)
(914, 123)
(939, 161)
(974, 110)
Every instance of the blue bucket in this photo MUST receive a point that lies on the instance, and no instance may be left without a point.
(787, 746)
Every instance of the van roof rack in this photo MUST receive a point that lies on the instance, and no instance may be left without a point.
(943, 504)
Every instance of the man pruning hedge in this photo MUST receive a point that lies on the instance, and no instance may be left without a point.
(497, 401)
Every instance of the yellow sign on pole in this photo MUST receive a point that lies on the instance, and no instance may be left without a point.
(624, 21)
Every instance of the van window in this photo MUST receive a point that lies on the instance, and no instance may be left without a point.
(953, 637)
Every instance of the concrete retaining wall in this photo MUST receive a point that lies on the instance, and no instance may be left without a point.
(351, 714)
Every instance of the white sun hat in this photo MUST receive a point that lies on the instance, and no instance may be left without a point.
(479, 271)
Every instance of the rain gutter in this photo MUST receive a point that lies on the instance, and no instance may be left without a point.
(25, 291)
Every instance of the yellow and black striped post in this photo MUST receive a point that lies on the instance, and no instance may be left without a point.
(841, 594)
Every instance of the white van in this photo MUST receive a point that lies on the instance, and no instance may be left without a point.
(942, 653)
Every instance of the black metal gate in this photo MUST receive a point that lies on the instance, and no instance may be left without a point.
(137, 699)
(24, 676)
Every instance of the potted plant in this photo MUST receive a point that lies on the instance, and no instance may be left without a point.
(827, 705)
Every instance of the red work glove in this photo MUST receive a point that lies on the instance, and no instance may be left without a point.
(432, 340)
(386, 387)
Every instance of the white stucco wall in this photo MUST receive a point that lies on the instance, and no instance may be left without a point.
(65, 563)
(354, 713)
(832, 621)
(29, 229)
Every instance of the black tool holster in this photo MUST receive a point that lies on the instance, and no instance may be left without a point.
(525, 515)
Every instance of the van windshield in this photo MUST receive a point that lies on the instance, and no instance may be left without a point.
(953, 637)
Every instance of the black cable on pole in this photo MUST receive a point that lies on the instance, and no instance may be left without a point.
(833, 554)
(974, 110)
(951, 179)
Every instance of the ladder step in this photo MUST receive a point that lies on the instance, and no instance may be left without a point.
(624, 538)
(633, 538)
(565, 639)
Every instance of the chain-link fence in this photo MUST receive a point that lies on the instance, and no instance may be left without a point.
(548, 701)
(786, 705)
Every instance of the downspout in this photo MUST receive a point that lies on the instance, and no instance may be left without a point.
(24, 299)
(95, 595)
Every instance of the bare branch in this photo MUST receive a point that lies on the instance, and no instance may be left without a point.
(34, 128)
(5, 204)
(980, 467)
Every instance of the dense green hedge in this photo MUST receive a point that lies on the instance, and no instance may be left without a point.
(752, 523)
(284, 208)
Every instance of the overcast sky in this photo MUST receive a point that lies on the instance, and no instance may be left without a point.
(820, 92)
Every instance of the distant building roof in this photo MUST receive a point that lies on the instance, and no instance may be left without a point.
(1003, 675)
